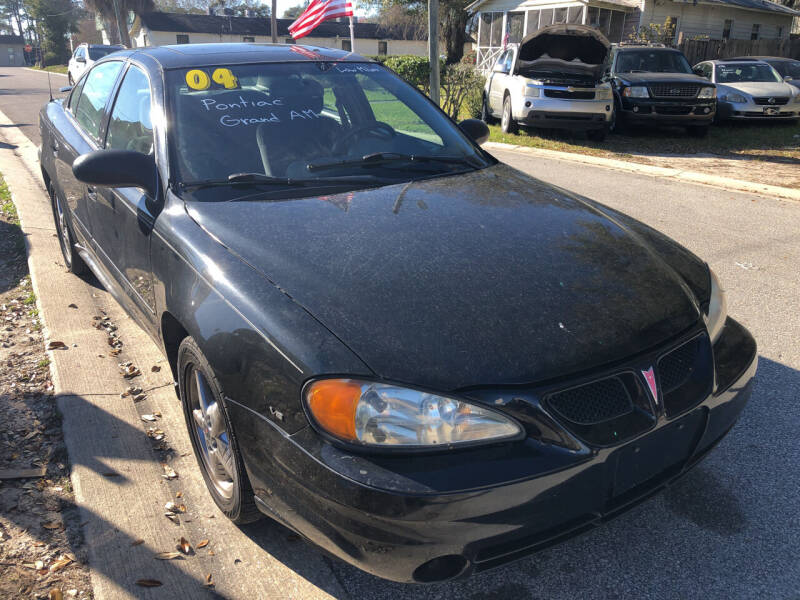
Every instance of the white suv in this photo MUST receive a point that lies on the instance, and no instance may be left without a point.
(554, 79)
(84, 57)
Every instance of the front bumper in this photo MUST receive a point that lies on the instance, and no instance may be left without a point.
(750, 111)
(433, 517)
(689, 112)
(561, 113)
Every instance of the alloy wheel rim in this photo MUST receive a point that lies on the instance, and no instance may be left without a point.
(63, 231)
(211, 433)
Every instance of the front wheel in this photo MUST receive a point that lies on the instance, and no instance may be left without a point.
(213, 440)
(508, 124)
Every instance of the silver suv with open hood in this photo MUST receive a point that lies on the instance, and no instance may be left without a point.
(552, 79)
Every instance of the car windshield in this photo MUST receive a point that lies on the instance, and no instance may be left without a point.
(746, 72)
(308, 120)
(657, 61)
(98, 53)
(788, 68)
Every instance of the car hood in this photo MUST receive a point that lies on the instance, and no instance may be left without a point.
(563, 49)
(754, 88)
(644, 78)
(483, 278)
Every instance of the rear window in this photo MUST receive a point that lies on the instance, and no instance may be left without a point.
(98, 53)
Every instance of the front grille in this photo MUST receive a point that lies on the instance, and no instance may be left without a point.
(674, 90)
(593, 403)
(686, 375)
(570, 94)
(765, 101)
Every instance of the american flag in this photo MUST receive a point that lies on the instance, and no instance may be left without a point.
(317, 12)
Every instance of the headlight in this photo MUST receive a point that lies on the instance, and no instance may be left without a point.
(717, 309)
(389, 416)
(532, 91)
(603, 93)
(636, 91)
(707, 92)
(738, 98)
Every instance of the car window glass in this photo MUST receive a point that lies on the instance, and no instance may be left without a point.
(652, 61)
(746, 72)
(75, 95)
(96, 90)
(791, 69)
(98, 53)
(79, 52)
(276, 119)
(500, 67)
(130, 127)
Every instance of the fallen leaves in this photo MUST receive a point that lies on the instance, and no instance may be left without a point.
(155, 368)
(52, 525)
(60, 563)
(151, 418)
(138, 542)
(169, 473)
(209, 582)
(129, 370)
(149, 583)
(202, 543)
(55, 345)
(55, 594)
(184, 545)
(167, 555)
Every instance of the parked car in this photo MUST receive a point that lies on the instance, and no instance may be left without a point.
(788, 68)
(654, 85)
(552, 79)
(751, 90)
(423, 360)
(84, 57)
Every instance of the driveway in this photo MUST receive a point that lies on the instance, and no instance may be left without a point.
(727, 530)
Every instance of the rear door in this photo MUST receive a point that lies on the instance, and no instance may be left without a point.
(128, 214)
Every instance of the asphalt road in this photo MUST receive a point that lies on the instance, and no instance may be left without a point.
(731, 528)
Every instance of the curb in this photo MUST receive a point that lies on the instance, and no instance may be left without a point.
(42, 71)
(727, 183)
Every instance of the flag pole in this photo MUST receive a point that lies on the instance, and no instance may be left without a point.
(352, 36)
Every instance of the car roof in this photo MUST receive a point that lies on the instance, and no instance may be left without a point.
(628, 47)
(737, 61)
(193, 55)
(763, 58)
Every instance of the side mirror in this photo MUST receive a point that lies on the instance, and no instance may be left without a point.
(698, 72)
(788, 78)
(476, 129)
(80, 59)
(65, 89)
(117, 168)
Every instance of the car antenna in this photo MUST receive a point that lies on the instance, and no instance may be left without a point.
(49, 85)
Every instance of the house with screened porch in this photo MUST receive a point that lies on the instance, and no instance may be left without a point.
(618, 19)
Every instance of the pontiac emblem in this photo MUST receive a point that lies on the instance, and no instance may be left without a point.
(650, 378)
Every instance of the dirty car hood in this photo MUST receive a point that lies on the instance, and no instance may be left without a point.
(484, 278)
(567, 49)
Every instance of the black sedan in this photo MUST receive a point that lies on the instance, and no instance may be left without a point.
(422, 360)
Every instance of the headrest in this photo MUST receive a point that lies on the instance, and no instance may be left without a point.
(296, 92)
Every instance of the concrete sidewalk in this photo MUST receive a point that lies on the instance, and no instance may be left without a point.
(117, 472)
(726, 183)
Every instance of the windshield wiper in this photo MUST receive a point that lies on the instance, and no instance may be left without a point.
(261, 179)
(379, 158)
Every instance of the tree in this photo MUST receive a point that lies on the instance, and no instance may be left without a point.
(201, 7)
(114, 14)
(410, 14)
(294, 11)
(54, 19)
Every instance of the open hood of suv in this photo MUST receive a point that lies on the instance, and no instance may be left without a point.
(563, 49)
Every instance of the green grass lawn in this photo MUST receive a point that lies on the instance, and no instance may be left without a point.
(760, 141)
(53, 69)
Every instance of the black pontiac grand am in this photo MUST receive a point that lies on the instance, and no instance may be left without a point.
(423, 361)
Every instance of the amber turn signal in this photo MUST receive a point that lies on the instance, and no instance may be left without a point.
(333, 404)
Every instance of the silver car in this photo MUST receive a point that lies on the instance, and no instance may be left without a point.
(750, 90)
(552, 79)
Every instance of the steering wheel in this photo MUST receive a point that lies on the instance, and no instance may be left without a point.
(377, 129)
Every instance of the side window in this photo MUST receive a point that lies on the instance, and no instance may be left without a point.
(96, 90)
(75, 95)
(130, 127)
(181, 38)
(500, 66)
(383, 48)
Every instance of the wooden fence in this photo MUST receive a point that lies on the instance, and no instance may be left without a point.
(699, 50)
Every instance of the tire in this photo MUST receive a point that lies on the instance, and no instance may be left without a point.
(66, 237)
(507, 123)
(221, 464)
(596, 135)
(486, 115)
(698, 131)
